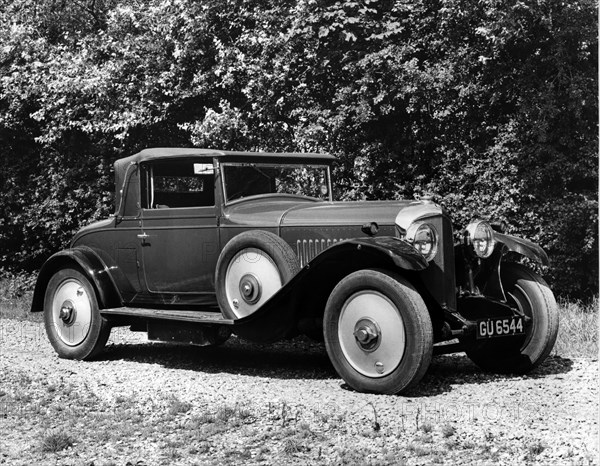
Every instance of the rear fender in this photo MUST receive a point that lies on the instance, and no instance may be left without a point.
(86, 260)
(311, 287)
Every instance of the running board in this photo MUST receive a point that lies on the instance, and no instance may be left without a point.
(448, 348)
(200, 317)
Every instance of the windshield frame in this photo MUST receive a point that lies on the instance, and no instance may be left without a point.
(271, 164)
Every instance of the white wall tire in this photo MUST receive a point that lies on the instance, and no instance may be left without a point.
(72, 318)
(378, 332)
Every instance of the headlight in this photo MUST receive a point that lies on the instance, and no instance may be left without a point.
(482, 237)
(424, 239)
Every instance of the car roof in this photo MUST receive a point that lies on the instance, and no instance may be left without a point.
(166, 153)
(181, 152)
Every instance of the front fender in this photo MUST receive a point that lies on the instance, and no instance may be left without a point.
(488, 279)
(92, 267)
(310, 288)
(523, 247)
(400, 252)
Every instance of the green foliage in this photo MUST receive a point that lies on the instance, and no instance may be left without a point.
(56, 441)
(491, 105)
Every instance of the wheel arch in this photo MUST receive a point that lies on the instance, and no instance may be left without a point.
(523, 248)
(325, 271)
(281, 257)
(508, 249)
(87, 262)
(304, 297)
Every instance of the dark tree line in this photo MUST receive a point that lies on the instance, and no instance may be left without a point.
(491, 105)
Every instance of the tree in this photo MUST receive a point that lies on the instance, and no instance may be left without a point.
(490, 105)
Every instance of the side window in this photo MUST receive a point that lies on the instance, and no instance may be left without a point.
(174, 184)
(131, 196)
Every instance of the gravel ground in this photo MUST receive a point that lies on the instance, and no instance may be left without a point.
(147, 403)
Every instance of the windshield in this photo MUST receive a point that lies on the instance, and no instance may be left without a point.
(252, 179)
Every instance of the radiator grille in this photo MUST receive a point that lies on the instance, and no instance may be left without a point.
(307, 249)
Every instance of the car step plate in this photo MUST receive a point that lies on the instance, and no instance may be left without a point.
(204, 317)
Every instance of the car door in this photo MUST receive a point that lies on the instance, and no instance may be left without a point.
(179, 235)
(123, 240)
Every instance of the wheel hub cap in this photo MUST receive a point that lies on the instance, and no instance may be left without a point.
(67, 312)
(251, 279)
(367, 334)
(71, 312)
(250, 288)
(371, 333)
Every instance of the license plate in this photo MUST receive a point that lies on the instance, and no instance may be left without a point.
(500, 327)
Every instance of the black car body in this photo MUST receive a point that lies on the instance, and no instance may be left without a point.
(204, 243)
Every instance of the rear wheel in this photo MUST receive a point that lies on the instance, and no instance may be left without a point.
(378, 332)
(252, 267)
(529, 293)
(73, 322)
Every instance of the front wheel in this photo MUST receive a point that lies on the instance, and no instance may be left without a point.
(529, 293)
(378, 332)
(73, 322)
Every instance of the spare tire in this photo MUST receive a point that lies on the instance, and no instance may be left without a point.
(252, 267)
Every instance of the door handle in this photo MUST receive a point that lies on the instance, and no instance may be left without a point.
(143, 236)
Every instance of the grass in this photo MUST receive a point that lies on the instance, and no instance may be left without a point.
(535, 448)
(448, 430)
(176, 406)
(16, 307)
(225, 413)
(578, 330)
(418, 450)
(225, 417)
(426, 427)
(292, 445)
(56, 441)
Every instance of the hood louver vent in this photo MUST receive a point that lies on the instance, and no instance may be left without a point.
(307, 249)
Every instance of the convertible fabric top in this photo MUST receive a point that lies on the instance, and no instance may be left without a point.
(167, 152)
(156, 153)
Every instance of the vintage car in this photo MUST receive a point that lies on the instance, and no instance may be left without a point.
(206, 243)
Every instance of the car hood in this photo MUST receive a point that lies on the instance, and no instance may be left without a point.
(344, 213)
(273, 212)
